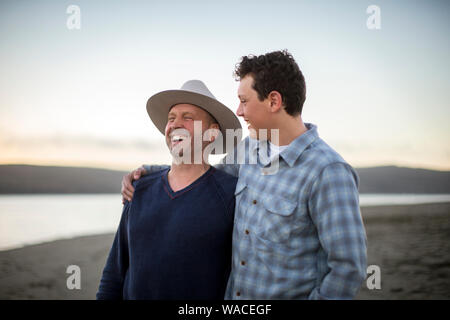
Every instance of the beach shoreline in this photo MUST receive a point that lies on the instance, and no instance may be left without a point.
(409, 243)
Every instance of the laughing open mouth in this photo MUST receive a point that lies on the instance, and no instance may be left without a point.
(178, 138)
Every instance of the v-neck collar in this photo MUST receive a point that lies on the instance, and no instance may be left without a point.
(174, 194)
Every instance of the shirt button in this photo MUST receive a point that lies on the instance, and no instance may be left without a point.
(238, 293)
(243, 263)
(254, 201)
(247, 232)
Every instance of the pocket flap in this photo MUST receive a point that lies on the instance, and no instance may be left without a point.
(279, 205)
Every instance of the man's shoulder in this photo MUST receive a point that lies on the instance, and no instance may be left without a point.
(224, 177)
(148, 179)
(225, 181)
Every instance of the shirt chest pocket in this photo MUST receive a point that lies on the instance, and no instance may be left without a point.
(271, 218)
(274, 218)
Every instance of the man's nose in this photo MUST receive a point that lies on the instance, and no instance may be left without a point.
(173, 126)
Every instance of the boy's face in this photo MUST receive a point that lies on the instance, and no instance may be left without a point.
(255, 112)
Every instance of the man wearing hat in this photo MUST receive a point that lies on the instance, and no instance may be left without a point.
(174, 237)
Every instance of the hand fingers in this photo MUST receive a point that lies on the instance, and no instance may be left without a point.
(126, 183)
(138, 173)
(127, 188)
(127, 194)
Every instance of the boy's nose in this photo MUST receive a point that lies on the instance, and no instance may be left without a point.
(239, 111)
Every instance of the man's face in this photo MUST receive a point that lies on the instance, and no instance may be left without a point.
(180, 126)
(254, 111)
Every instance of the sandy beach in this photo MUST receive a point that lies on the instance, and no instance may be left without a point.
(410, 244)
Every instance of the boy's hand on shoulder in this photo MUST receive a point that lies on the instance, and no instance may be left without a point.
(127, 183)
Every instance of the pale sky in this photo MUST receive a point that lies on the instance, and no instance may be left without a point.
(78, 97)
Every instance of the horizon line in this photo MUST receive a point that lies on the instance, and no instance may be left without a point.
(112, 168)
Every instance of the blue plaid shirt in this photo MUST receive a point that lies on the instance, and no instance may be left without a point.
(298, 231)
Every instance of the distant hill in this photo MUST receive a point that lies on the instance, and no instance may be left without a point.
(391, 179)
(43, 179)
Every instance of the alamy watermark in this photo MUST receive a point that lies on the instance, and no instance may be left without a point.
(74, 19)
(374, 20)
(373, 281)
(74, 280)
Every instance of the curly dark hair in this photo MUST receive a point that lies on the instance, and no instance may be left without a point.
(275, 71)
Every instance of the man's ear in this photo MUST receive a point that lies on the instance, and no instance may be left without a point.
(275, 101)
(213, 131)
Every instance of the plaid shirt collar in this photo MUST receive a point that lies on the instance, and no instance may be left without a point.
(292, 152)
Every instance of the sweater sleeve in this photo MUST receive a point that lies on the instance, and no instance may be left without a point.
(112, 281)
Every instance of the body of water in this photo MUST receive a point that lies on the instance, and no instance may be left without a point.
(398, 199)
(32, 219)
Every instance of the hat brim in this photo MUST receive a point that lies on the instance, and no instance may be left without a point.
(159, 105)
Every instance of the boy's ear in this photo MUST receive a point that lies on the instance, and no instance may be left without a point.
(275, 101)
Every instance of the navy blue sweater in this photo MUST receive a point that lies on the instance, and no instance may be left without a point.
(173, 245)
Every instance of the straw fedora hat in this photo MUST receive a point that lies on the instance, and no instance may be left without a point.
(196, 93)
